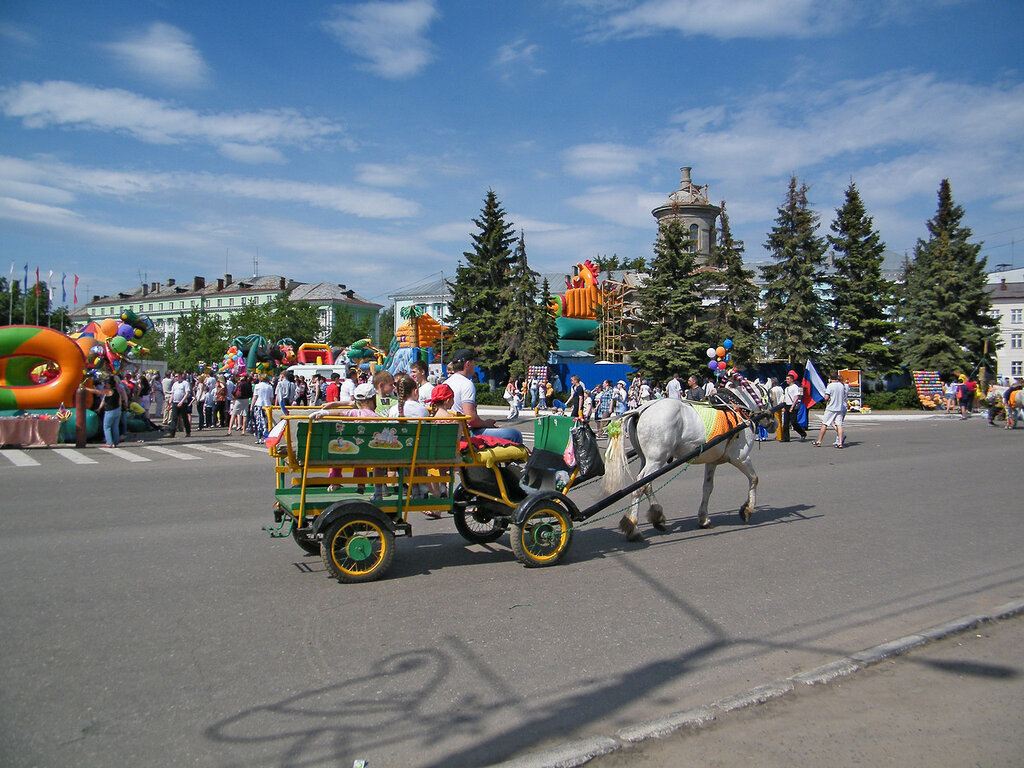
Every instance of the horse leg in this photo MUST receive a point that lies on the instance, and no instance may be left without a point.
(628, 523)
(709, 486)
(747, 468)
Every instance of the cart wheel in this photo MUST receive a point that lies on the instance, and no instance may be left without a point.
(544, 535)
(357, 547)
(473, 523)
(308, 546)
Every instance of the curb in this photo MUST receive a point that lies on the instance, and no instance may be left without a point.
(579, 752)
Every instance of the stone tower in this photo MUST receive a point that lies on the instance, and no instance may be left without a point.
(689, 205)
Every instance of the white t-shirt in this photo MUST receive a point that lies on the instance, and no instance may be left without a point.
(425, 391)
(793, 393)
(464, 390)
(836, 394)
(412, 408)
(674, 389)
(262, 395)
(347, 391)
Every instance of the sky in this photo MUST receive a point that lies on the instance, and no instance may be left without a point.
(355, 142)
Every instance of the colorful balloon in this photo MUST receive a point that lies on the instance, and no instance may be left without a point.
(721, 365)
(720, 352)
(712, 365)
(119, 344)
(109, 327)
(711, 352)
(727, 343)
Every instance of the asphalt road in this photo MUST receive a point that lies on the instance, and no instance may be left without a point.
(147, 619)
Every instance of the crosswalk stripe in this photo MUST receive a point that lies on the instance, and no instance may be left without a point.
(172, 453)
(258, 448)
(73, 456)
(126, 455)
(208, 449)
(19, 458)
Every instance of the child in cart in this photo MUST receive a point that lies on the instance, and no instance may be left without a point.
(365, 397)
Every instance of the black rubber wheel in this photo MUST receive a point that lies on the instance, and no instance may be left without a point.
(474, 524)
(544, 536)
(308, 546)
(357, 547)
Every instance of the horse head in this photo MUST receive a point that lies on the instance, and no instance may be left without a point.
(754, 398)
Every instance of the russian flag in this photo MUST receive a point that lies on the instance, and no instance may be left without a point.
(814, 386)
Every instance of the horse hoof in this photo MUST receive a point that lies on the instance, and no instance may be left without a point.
(705, 524)
(629, 528)
(656, 517)
(745, 514)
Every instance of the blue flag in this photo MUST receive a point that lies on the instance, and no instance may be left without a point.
(24, 286)
(63, 291)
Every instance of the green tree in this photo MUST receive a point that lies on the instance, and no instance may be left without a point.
(615, 262)
(543, 334)
(386, 323)
(793, 319)
(517, 320)
(861, 300)
(479, 294)
(672, 333)
(297, 320)
(346, 330)
(945, 310)
(201, 337)
(732, 296)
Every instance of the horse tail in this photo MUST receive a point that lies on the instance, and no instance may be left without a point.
(616, 467)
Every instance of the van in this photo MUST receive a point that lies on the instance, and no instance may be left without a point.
(308, 370)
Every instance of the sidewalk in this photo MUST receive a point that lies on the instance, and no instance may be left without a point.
(950, 696)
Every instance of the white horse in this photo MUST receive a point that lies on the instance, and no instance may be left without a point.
(668, 429)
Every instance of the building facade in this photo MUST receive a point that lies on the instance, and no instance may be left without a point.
(164, 302)
(1007, 291)
(689, 205)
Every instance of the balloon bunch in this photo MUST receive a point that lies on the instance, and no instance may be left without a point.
(720, 357)
(233, 362)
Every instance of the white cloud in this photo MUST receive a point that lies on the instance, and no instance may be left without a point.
(381, 175)
(390, 36)
(84, 107)
(163, 53)
(723, 20)
(250, 153)
(601, 161)
(625, 205)
(518, 55)
(69, 179)
(17, 35)
(53, 218)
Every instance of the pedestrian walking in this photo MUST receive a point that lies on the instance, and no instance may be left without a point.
(835, 410)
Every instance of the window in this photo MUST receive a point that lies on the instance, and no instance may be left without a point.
(1015, 315)
(150, 307)
(220, 302)
(181, 305)
(231, 302)
(1017, 341)
(193, 303)
(1016, 368)
(695, 236)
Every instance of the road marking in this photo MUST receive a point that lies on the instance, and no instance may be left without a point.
(19, 458)
(74, 456)
(217, 451)
(172, 453)
(126, 455)
(258, 448)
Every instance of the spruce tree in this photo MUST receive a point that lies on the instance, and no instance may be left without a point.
(945, 309)
(794, 323)
(732, 294)
(543, 336)
(672, 333)
(519, 315)
(861, 299)
(479, 293)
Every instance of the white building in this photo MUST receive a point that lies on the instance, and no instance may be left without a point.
(1007, 291)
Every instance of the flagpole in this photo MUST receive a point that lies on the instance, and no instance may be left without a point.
(10, 288)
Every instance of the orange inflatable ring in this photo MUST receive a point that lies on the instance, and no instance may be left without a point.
(30, 341)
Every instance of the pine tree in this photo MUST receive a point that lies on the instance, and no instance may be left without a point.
(517, 320)
(733, 295)
(543, 336)
(945, 310)
(673, 334)
(479, 294)
(861, 299)
(793, 320)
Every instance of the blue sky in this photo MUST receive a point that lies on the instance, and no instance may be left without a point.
(354, 142)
